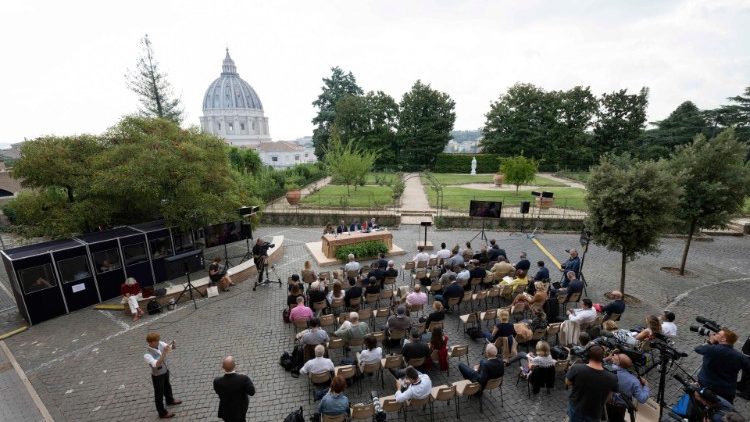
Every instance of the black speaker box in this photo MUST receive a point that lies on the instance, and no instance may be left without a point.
(525, 206)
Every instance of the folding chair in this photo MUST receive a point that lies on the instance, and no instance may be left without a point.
(445, 393)
(316, 378)
(495, 384)
(362, 411)
(467, 319)
(390, 362)
(468, 389)
(456, 352)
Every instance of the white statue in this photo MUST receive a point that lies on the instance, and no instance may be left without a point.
(473, 166)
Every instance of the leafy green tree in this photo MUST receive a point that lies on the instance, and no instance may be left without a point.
(152, 87)
(426, 120)
(346, 162)
(716, 180)
(629, 204)
(518, 170)
(737, 115)
(620, 119)
(245, 160)
(679, 128)
(370, 121)
(335, 87)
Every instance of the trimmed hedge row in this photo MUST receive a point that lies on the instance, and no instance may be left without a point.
(362, 250)
(461, 163)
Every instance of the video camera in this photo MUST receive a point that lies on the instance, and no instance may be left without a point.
(613, 344)
(264, 247)
(380, 415)
(707, 327)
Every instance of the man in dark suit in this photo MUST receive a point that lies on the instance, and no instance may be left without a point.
(495, 251)
(342, 228)
(354, 291)
(233, 390)
(488, 369)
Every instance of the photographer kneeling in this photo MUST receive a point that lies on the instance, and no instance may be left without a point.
(722, 363)
(629, 387)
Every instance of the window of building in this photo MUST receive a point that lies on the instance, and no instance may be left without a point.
(218, 126)
(296, 158)
(242, 126)
(305, 155)
(231, 127)
(274, 158)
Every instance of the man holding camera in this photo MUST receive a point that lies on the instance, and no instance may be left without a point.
(260, 257)
(156, 358)
(629, 387)
(722, 363)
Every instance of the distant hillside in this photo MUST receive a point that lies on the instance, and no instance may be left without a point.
(465, 135)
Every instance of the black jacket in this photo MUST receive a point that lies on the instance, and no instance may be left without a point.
(233, 391)
(414, 350)
(353, 292)
(490, 369)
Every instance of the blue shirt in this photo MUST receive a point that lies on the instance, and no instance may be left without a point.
(630, 386)
(721, 364)
(614, 307)
(542, 274)
(333, 404)
(573, 264)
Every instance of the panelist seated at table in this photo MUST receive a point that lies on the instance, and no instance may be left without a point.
(342, 228)
(355, 226)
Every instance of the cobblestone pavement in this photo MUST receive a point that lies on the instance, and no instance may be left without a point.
(16, 403)
(88, 366)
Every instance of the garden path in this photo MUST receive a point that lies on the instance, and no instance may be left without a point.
(414, 197)
(570, 183)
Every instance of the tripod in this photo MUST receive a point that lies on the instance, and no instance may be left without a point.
(189, 288)
(249, 253)
(481, 233)
(228, 263)
(263, 266)
(667, 354)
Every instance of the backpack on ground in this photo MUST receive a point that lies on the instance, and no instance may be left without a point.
(558, 353)
(286, 361)
(285, 316)
(296, 416)
(474, 333)
(153, 307)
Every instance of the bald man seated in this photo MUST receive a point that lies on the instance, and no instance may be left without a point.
(488, 369)
(233, 390)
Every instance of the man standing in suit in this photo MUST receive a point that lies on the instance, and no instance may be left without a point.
(488, 369)
(233, 390)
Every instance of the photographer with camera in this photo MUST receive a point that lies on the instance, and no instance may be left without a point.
(260, 258)
(721, 362)
(592, 385)
(629, 387)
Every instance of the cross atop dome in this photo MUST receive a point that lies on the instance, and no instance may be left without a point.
(228, 68)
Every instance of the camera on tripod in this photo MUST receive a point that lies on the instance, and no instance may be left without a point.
(380, 415)
(707, 327)
(265, 246)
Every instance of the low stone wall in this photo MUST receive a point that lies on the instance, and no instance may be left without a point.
(323, 217)
(548, 224)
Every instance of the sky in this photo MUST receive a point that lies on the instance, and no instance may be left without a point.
(64, 62)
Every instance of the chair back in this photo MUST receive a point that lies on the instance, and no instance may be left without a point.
(415, 362)
(475, 281)
(392, 361)
(389, 405)
(468, 295)
(507, 291)
(574, 298)
(432, 262)
(346, 371)
(300, 323)
(382, 312)
(355, 301)
(494, 383)
(334, 418)
(480, 296)
(419, 402)
(453, 301)
(469, 388)
(337, 303)
(421, 272)
(335, 343)
(320, 377)
(389, 281)
(408, 266)
(421, 264)
(372, 297)
(444, 393)
(386, 294)
(327, 320)
(379, 336)
(343, 317)
(489, 315)
(435, 324)
(435, 287)
(371, 368)
(319, 306)
(459, 350)
(352, 274)
(356, 342)
(365, 314)
(397, 334)
(416, 307)
(362, 411)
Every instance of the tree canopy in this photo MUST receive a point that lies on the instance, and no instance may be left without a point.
(346, 162)
(518, 170)
(152, 87)
(335, 87)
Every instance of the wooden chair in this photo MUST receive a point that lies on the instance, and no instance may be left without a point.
(379, 336)
(574, 298)
(390, 362)
(327, 321)
(434, 288)
(389, 282)
(468, 389)
(373, 368)
(351, 274)
(415, 362)
(419, 274)
(445, 393)
(356, 342)
(478, 297)
(432, 263)
(354, 303)
(467, 299)
(554, 330)
(420, 403)
(488, 315)
(336, 343)
(386, 296)
(495, 384)
(415, 309)
(408, 266)
(517, 291)
(362, 411)
(299, 325)
(372, 299)
(422, 264)
(316, 378)
(346, 371)
(319, 307)
(365, 314)
(456, 352)
(467, 319)
(435, 324)
(399, 335)
(337, 305)
(493, 293)
(381, 314)
(453, 302)
(506, 292)
(390, 405)
(474, 282)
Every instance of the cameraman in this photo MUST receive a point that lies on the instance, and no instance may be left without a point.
(260, 257)
(629, 387)
(722, 363)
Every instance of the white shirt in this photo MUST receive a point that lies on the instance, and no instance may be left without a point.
(669, 329)
(443, 253)
(415, 298)
(151, 360)
(351, 266)
(463, 275)
(317, 365)
(416, 391)
(370, 356)
(583, 316)
(422, 256)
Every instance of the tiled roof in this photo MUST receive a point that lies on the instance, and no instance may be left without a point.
(279, 146)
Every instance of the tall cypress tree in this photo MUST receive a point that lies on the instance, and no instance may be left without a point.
(151, 85)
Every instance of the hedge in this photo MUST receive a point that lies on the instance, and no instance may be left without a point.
(362, 250)
(461, 163)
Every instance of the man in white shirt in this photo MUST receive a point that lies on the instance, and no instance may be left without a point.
(668, 327)
(156, 358)
(351, 265)
(443, 253)
(585, 315)
(417, 297)
(317, 364)
(421, 255)
(418, 386)
(464, 274)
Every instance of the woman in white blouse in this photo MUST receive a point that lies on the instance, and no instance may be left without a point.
(370, 354)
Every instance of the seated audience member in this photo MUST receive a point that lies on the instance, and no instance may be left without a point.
(352, 328)
(131, 293)
(336, 293)
(584, 315)
(371, 353)
(218, 275)
(542, 272)
(295, 281)
(502, 269)
(668, 327)
(371, 285)
(354, 292)
(313, 335)
(417, 297)
(490, 368)
(572, 287)
(623, 336)
(391, 271)
(451, 291)
(495, 251)
(463, 276)
(629, 387)
(578, 319)
(351, 264)
(381, 263)
(476, 270)
(437, 314)
(414, 386)
(482, 257)
(653, 327)
(317, 364)
(445, 278)
(443, 253)
(456, 258)
(317, 292)
(335, 403)
(300, 312)
(503, 328)
(519, 280)
(342, 228)
(399, 321)
(467, 253)
(415, 348)
(421, 255)
(439, 348)
(536, 361)
(570, 277)
(524, 300)
(291, 299)
(617, 306)
(308, 274)
(329, 229)
(523, 263)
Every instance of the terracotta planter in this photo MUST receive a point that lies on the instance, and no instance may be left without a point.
(499, 179)
(293, 197)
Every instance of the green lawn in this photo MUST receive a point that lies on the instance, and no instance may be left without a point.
(463, 179)
(457, 198)
(581, 176)
(371, 178)
(363, 197)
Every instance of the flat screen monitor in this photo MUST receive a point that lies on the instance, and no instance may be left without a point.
(222, 234)
(485, 209)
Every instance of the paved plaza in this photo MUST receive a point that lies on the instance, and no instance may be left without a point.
(88, 366)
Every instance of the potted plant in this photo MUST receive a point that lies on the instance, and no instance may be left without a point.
(293, 194)
(499, 177)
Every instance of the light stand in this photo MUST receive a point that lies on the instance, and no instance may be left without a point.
(188, 288)
(249, 254)
(227, 262)
(481, 233)
(247, 213)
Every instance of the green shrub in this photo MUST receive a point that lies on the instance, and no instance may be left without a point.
(461, 163)
(362, 250)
